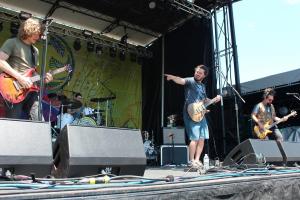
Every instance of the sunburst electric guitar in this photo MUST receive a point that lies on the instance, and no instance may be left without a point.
(267, 126)
(198, 109)
(12, 91)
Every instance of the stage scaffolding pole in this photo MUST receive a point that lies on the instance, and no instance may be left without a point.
(217, 66)
(162, 81)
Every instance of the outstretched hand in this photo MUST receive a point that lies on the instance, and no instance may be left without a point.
(169, 77)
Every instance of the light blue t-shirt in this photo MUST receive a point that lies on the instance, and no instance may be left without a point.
(193, 91)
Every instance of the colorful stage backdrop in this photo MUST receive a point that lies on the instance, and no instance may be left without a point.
(94, 76)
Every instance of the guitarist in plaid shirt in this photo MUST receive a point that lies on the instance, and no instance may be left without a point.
(17, 55)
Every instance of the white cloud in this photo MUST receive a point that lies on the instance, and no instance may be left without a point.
(292, 2)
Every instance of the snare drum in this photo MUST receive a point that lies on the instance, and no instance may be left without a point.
(86, 121)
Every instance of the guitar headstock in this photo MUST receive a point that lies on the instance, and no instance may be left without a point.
(293, 113)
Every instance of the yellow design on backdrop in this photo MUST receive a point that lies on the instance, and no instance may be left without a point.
(95, 76)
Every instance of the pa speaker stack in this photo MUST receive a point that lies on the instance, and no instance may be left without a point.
(25, 148)
(258, 152)
(82, 151)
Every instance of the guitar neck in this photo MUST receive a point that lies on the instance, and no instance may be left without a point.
(210, 102)
(279, 121)
(38, 77)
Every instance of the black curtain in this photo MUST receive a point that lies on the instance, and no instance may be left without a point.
(185, 48)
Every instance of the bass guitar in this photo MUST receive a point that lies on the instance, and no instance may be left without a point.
(12, 91)
(267, 126)
(198, 109)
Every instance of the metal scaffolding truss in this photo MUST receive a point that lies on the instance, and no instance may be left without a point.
(226, 62)
(223, 56)
(69, 6)
(190, 8)
(97, 39)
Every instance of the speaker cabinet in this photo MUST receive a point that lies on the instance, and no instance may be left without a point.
(176, 155)
(291, 153)
(254, 151)
(25, 147)
(82, 151)
(175, 134)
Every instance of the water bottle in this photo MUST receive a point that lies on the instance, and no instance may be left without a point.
(206, 162)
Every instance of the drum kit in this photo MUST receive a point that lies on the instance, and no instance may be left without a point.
(75, 114)
(149, 148)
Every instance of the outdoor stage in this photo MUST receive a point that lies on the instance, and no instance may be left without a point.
(281, 183)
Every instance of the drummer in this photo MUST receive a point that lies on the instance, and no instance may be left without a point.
(69, 108)
(83, 110)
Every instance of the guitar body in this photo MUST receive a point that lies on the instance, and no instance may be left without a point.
(11, 90)
(268, 126)
(196, 111)
(263, 134)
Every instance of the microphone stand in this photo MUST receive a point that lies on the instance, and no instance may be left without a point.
(173, 150)
(297, 96)
(107, 106)
(236, 93)
(43, 66)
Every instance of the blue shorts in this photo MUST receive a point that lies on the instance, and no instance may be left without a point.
(195, 130)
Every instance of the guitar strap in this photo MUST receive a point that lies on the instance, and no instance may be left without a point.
(33, 55)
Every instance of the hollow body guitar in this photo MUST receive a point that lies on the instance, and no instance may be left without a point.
(198, 109)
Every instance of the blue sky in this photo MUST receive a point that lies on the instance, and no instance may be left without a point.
(268, 37)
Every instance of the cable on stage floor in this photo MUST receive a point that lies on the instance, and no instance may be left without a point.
(104, 181)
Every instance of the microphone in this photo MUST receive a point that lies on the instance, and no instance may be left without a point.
(292, 93)
(171, 134)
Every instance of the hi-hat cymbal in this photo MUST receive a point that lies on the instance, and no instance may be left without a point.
(98, 111)
(73, 104)
(102, 99)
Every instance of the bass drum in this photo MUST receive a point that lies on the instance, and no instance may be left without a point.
(85, 121)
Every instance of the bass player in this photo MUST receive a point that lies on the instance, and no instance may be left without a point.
(193, 115)
(17, 55)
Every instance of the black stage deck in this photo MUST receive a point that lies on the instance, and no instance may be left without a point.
(259, 183)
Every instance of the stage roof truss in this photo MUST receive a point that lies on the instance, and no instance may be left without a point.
(64, 30)
(191, 8)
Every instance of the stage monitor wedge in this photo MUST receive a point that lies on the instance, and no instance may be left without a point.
(254, 152)
(25, 147)
(82, 151)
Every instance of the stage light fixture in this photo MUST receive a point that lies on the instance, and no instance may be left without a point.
(112, 51)
(77, 44)
(99, 49)
(14, 28)
(190, 1)
(123, 39)
(24, 15)
(90, 46)
(152, 4)
(122, 54)
(87, 33)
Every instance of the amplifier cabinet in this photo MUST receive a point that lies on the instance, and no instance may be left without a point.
(179, 155)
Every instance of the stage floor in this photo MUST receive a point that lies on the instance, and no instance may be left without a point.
(282, 183)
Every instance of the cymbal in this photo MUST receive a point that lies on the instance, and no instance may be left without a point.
(102, 99)
(73, 104)
(100, 110)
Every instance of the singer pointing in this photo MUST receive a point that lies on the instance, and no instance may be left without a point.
(194, 91)
(264, 113)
